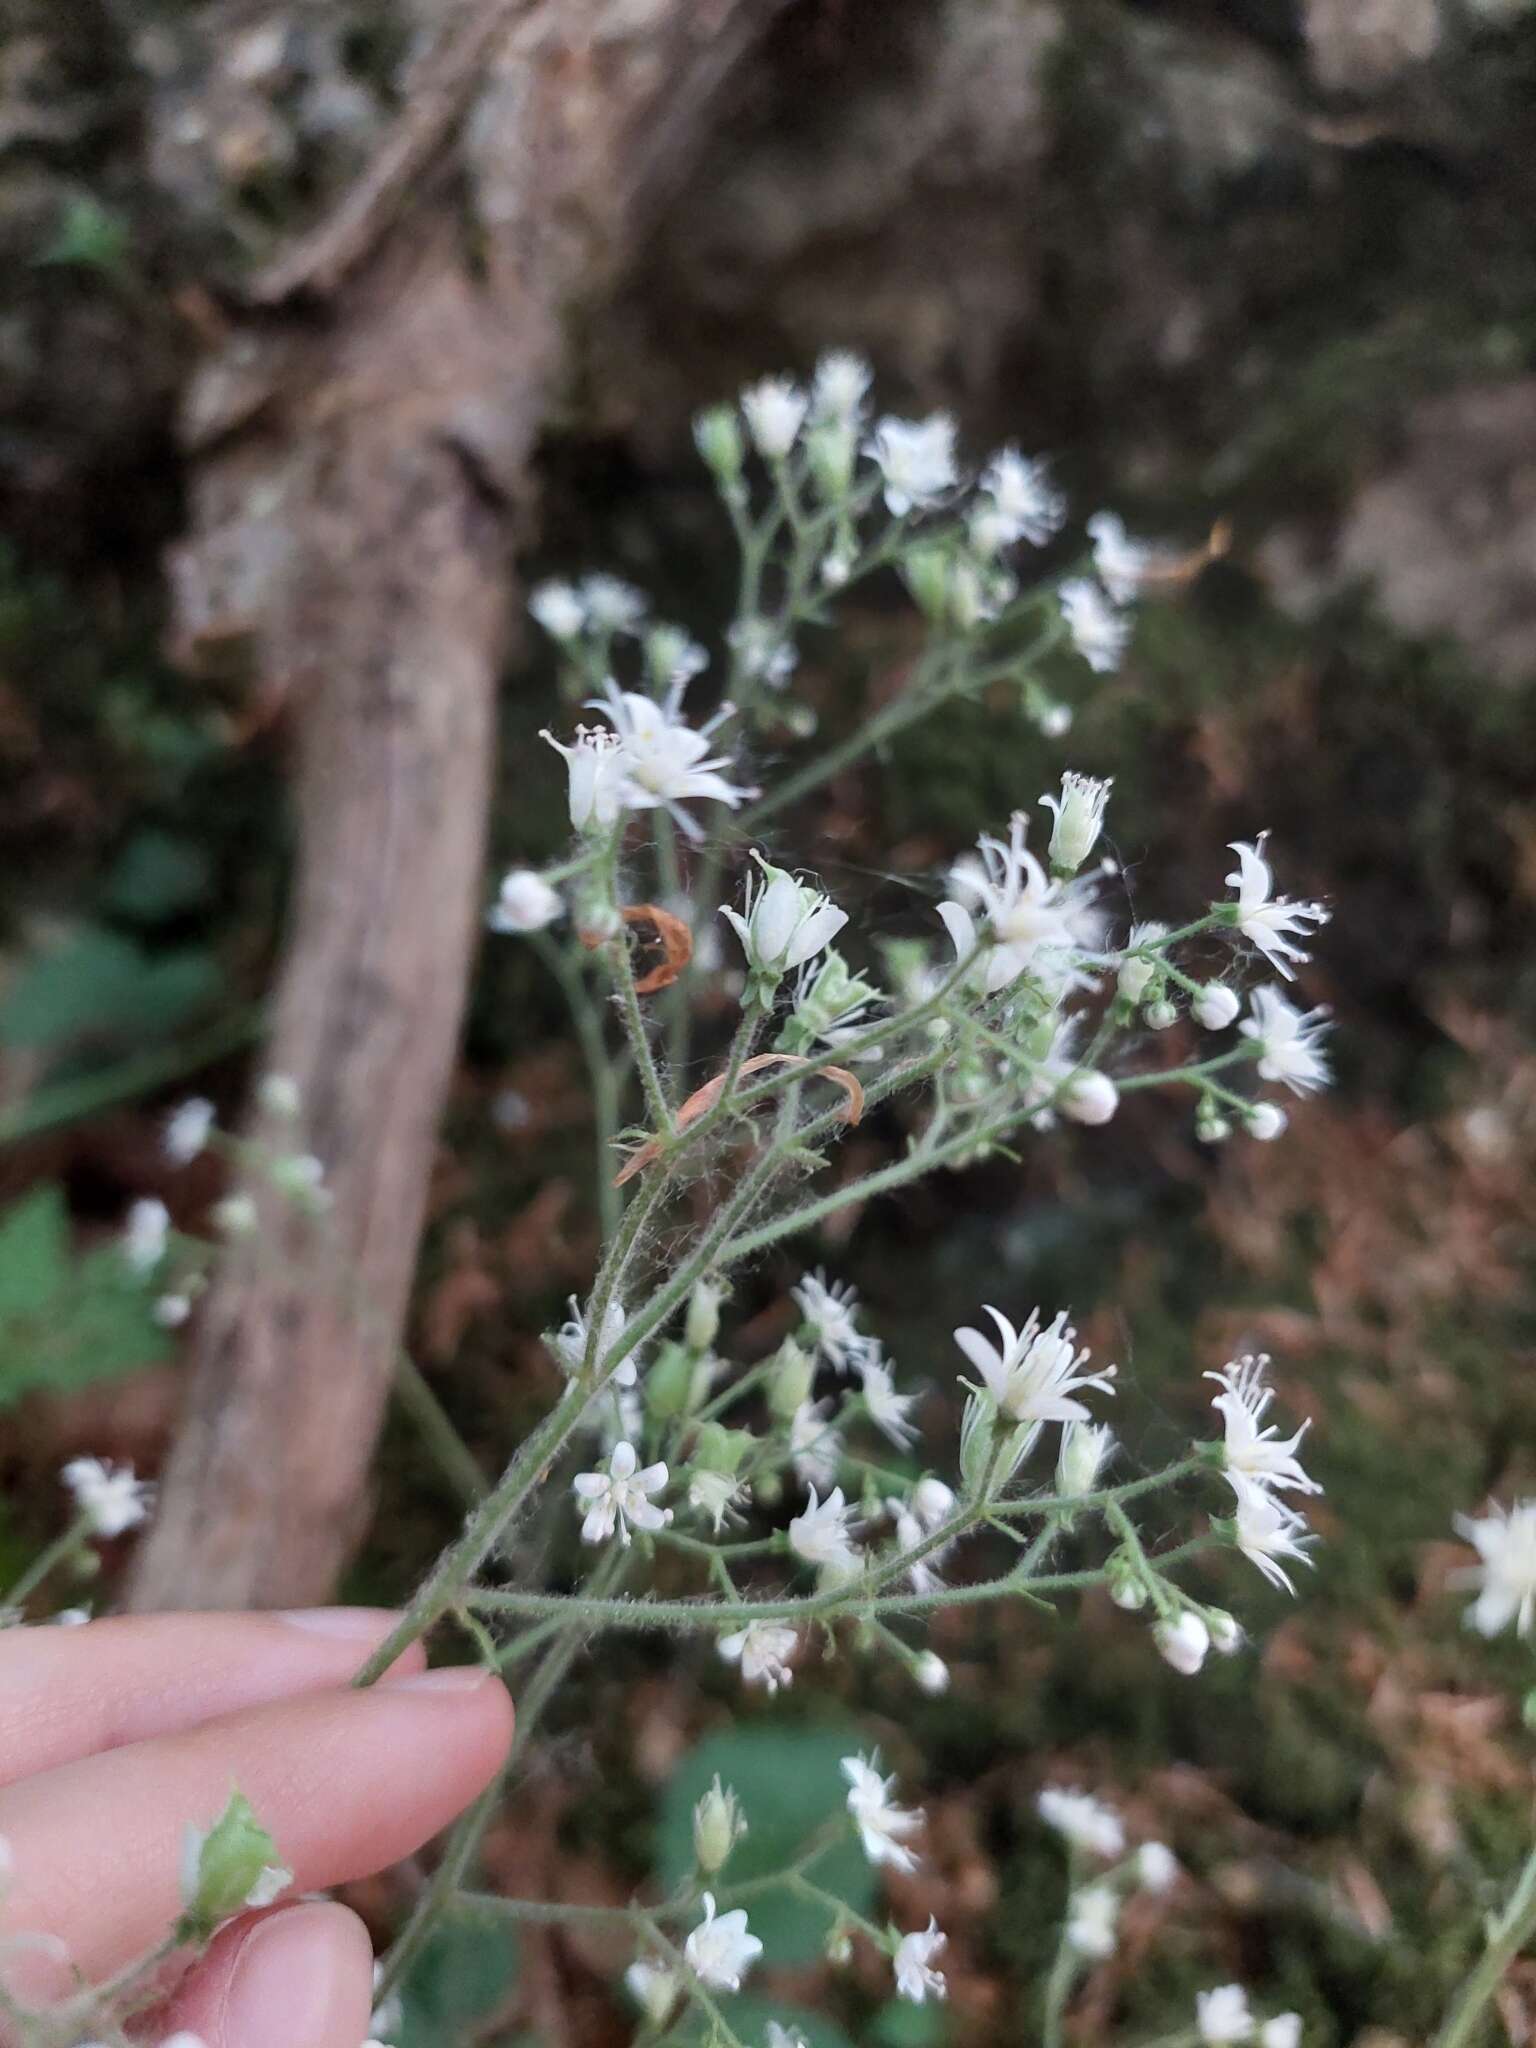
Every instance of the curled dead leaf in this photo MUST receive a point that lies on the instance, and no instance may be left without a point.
(676, 944)
(704, 1099)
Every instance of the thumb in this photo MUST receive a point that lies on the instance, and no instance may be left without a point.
(298, 1978)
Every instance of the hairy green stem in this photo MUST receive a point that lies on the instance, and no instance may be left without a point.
(1510, 1933)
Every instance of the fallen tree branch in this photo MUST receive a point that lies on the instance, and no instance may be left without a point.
(357, 469)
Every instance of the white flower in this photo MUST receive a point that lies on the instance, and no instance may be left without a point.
(785, 924)
(1505, 1576)
(829, 1308)
(932, 1502)
(888, 1410)
(596, 777)
(1266, 1532)
(1025, 505)
(883, 1827)
(1027, 913)
(1099, 633)
(1084, 1447)
(1251, 1453)
(1089, 1097)
(1264, 1121)
(610, 605)
(775, 411)
(721, 1951)
(916, 458)
(663, 760)
(763, 654)
(1087, 1823)
(145, 1233)
(1136, 974)
(1215, 1007)
(187, 1130)
(70, 1617)
(782, 2037)
(822, 1535)
(713, 1494)
(1283, 2031)
(109, 1494)
(1272, 923)
(1079, 815)
(1035, 1373)
(619, 1496)
(1287, 1041)
(838, 388)
(1157, 1868)
(654, 1988)
(236, 1215)
(526, 903)
(912, 1536)
(279, 1096)
(912, 1963)
(1091, 1919)
(763, 1650)
(815, 1446)
(569, 1342)
(1183, 1643)
(558, 609)
(931, 1673)
(1122, 563)
(1222, 2015)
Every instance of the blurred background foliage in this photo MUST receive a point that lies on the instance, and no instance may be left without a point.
(1261, 262)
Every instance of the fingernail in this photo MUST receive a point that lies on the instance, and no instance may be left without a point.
(451, 1678)
(301, 1978)
(353, 1624)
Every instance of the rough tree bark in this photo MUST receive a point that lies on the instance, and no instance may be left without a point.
(359, 440)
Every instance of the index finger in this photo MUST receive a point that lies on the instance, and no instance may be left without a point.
(66, 1693)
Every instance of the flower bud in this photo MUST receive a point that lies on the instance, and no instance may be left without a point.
(718, 1449)
(1226, 1634)
(839, 1950)
(775, 411)
(1084, 1447)
(1157, 1868)
(1127, 1588)
(1090, 1098)
(235, 1216)
(1161, 1015)
(1215, 1007)
(926, 572)
(1183, 1643)
(703, 1324)
(669, 1383)
(1079, 814)
(717, 436)
(1264, 1121)
(717, 1827)
(654, 1988)
(790, 1380)
(1135, 977)
(526, 903)
(231, 1868)
(1211, 1127)
(931, 1673)
(830, 450)
(559, 610)
(278, 1095)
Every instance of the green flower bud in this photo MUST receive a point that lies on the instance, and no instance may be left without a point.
(830, 450)
(228, 1869)
(703, 1324)
(789, 1382)
(718, 1449)
(717, 1827)
(926, 573)
(717, 436)
(669, 1383)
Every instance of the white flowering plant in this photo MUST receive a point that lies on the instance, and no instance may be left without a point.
(800, 1501)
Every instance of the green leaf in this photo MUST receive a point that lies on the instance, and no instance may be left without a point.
(34, 1253)
(100, 986)
(66, 1321)
(465, 1970)
(789, 1783)
(157, 876)
(88, 238)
